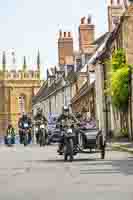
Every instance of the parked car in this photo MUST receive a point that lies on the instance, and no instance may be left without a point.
(53, 131)
(54, 136)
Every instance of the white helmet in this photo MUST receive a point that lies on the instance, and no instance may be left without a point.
(66, 108)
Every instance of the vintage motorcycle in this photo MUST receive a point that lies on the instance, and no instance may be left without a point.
(41, 130)
(25, 131)
(67, 147)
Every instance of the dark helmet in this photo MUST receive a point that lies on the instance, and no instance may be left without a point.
(78, 115)
(10, 125)
(24, 115)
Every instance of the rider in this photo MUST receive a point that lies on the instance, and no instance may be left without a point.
(39, 117)
(10, 131)
(64, 116)
(22, 120)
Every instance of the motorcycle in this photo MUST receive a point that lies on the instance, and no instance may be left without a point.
(41, 131)
(68, 147)
(25, 130)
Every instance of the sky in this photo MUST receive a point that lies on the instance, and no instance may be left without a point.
(29, 25)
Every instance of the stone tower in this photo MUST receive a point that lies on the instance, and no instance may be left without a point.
(115, 11)
(16, 91)
(86, 34)
(65, 48)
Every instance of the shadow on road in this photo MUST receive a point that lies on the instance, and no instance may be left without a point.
(124, 166)
(61, 160)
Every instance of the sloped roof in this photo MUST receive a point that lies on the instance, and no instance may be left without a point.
(100, 40)
(83, 91)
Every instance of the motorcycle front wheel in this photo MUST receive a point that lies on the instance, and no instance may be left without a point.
(68, 150)
(25, 140)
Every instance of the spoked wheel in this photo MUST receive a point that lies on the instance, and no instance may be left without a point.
(65, 157)
(102, 152)
(25, 140)
(65, 153)
(42, 141)
(81, 142)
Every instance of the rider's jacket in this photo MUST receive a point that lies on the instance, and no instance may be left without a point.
(40, 117)
(10, 131)
(65, 118)
(24, 120)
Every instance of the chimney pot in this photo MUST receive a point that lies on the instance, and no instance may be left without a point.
(60, 33)
(69, 34)
(83, 20)
(112, 2)
(89, 19)
(64, 34)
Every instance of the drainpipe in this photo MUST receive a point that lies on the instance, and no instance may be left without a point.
(130, 100)
(106, 105)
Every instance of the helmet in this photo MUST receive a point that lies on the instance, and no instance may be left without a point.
(10, 125)
(24, 115)
(66, 108)
(78, 115)
(39, 110)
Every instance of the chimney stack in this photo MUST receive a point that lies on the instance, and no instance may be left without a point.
(65, 49)
(86, 34)
(115, 11)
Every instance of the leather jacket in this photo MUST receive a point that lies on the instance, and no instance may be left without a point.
(24, 120)
(39, 117)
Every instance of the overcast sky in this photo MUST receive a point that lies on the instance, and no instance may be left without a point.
(26, 25)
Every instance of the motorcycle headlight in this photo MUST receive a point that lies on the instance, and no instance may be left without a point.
(36, 129)
(42, 126)
(69, 131)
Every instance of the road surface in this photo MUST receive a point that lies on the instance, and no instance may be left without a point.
(35, 173)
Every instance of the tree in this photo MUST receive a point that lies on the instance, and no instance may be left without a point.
(119, 81)
(118, 85)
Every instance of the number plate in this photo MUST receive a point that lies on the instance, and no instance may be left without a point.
(26, 125)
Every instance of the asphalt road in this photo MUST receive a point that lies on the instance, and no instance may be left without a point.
(34, 173)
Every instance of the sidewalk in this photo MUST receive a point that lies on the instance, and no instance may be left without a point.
(121, 146)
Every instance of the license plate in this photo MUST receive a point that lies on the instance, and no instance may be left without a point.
(25, 125)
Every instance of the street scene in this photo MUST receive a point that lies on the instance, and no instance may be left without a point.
(66, 129)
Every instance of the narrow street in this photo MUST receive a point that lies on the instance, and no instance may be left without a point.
(34, 173)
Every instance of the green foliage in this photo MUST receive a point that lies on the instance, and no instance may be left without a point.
(124, 132)
(119, 81)
(118, 60)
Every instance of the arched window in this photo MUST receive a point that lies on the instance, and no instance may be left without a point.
(22, 103)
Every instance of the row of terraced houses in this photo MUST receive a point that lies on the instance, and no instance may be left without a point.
(79, 77)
